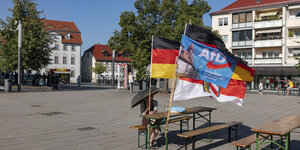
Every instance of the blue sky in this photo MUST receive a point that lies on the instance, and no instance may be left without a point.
(96, 19)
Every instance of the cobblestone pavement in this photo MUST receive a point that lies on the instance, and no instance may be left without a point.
(99, 119)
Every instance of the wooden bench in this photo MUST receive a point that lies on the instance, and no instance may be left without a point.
(141, 129)
(182, 120)
(245, 143)
(192, 134)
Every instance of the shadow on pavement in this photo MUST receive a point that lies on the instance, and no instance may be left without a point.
(243, 131)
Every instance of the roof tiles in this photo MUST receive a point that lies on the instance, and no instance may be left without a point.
(250, 4)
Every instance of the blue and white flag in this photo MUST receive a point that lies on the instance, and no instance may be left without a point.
(201, 62)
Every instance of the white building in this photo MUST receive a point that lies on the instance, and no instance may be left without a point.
(264, 33)
(67, 47)
(102, 53)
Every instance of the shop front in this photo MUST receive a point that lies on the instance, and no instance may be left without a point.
(63, 74)
(274, 76)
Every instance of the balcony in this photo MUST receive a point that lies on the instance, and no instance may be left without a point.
(293, 42)
(248, 60)
(241, 43)
(268, 43)
(263, 61)
(293, 23)
(242, 25)
(267, 23)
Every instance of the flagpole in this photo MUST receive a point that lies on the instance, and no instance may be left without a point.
(150, 77)
(172, 95)
(170, 103)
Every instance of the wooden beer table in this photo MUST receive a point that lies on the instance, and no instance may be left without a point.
(279, 128)
(194, 110)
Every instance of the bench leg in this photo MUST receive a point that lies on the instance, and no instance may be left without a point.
(139, 133)
(180, 126)
(185, 143)
(229, 134)
(193, 144)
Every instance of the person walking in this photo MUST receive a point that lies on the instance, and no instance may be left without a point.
(78, 81)
(260, 88)
(289, 86)
(130, 80)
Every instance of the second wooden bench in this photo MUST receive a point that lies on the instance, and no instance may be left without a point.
(245, 143)
(192, 134)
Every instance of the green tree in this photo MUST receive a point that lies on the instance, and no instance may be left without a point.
(165, 18)
(98, 69)
(35, 42)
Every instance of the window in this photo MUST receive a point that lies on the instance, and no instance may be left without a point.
(235, 18)
(223, 21)
(242, 18)
(73, 60)
(72, 74)
(55, 59)
(56, 46)
(245, 35)
(270, 54)
(73, 48)
(297, 14)
(64, 60)
(68, 36)
(294, 52)
(249, 17)
(245, 55)
(65, 47)
(225, 38)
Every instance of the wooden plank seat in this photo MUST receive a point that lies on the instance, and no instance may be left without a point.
(192, 134)
(141, 130)
(245, 143)
(183, 120)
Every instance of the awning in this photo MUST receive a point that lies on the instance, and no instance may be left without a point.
(62, 72)
(294, 7)
(269, 13)
(268, 31)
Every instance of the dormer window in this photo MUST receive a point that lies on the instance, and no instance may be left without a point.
(105, 53)
(68, 36)
(64, 27)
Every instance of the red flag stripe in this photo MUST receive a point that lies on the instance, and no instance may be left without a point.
(235, 88)
(164, 56)
(192, 80)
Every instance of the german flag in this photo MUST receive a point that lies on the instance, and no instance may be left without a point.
(164, 52)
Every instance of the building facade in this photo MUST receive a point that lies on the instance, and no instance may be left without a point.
(102, 53)
(264, 33)
(67, 47)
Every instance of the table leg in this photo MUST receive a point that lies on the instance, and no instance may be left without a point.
(209, 124)
(257, 144)
(194, 118)
(272, 142)
(287, 141)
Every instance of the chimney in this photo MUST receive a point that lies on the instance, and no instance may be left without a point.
(258, 1)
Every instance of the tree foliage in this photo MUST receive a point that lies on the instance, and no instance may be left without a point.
(35, 50)
(164, 18)
(98, 69)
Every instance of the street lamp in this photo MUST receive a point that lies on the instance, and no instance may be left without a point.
(113, 69)
(19, 47)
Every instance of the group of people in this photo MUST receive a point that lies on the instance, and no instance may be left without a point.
(286, 85)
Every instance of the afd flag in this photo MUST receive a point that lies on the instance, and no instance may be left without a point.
(201, 62)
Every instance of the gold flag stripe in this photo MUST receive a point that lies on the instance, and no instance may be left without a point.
(162, 70)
